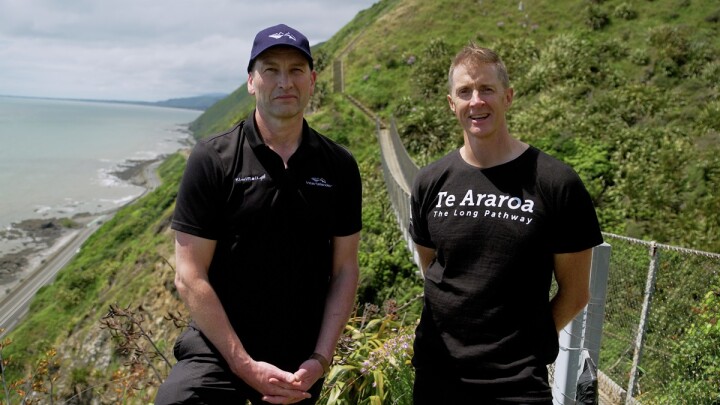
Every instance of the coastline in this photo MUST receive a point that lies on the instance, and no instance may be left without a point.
(40, 238)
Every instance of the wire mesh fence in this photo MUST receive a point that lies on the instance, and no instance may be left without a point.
(661, 336)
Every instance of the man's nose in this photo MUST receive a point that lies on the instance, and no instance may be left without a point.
(475, 99)
(284, 80)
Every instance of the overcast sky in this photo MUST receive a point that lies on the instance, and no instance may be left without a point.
(148, 50)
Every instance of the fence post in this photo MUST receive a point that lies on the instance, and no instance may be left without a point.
(567, 364)
(584, 332)
(338, 77)
(642, 326)
(598, 295)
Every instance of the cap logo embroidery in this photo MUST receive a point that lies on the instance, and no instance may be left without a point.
(281, 34)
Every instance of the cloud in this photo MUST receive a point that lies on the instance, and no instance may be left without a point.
(140, 50)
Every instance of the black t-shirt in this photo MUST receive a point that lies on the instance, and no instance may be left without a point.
(274, 227)
(487, 313)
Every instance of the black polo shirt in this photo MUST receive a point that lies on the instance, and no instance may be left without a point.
(274, 227)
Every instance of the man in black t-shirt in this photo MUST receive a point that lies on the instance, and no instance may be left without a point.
(493, 222)
(267, 223)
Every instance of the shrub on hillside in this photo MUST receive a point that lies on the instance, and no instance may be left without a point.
(639, 57)
(633, 103)
(518, 55)
(672, 47)
(709, 117)
(431, 69)
(696, 360)
(625, 11)
(429, 129)
(711, 73)
(567, 60)
(597, 18)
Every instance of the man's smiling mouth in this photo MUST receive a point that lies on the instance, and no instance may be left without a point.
(479, 117)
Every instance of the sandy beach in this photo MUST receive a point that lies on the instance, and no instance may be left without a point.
(29, 243)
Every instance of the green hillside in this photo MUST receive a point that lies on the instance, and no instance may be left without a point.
(628, 92)
(224, 113)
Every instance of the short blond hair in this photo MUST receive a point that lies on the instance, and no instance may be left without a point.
(472, 54)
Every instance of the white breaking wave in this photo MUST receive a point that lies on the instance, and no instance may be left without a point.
(120, 201)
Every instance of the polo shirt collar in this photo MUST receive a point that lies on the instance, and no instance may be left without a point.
(309, 137)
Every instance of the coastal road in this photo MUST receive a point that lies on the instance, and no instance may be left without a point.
(15, 305)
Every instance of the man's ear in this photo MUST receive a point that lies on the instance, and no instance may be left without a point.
(451, 103)
(313, 80)
(250, 86)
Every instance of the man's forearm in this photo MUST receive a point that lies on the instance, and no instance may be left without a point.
(572, 272)
(209, 315)
(426, 255)
(566, 307)
(338, 306)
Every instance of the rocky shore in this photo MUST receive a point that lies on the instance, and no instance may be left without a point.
(25, 245)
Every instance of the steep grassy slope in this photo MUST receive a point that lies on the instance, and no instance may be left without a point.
(223, 114)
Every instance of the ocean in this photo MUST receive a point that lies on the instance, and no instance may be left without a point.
(57, 157)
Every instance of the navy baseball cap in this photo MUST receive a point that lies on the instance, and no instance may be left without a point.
(279, 35)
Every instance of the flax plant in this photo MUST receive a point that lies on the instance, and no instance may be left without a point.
(372, 365)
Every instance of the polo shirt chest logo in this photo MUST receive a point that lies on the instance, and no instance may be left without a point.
(250, 179)
(318, 182)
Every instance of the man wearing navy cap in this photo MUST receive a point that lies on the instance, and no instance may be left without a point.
(267, 222)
